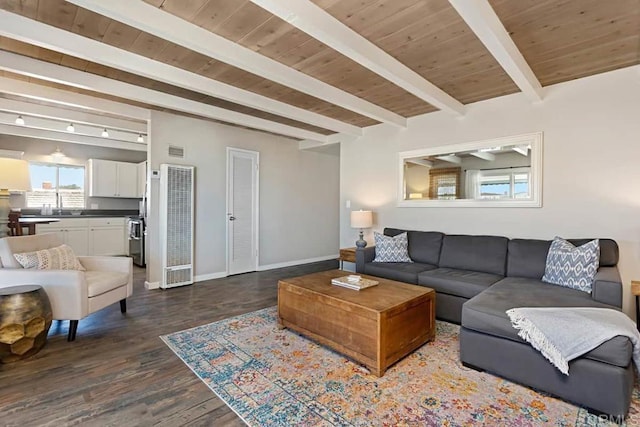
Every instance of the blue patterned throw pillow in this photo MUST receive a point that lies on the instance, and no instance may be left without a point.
(572, 267)
(391, 249)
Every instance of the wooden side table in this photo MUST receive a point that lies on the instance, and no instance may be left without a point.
(635, 290)
(347, 254)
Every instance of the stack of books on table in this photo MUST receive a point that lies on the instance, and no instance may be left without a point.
(353, 282)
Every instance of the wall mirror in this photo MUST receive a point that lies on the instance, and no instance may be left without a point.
(502, 172)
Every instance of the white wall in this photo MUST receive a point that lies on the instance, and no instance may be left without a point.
(39, 150)
(299, 193)
(591, 167)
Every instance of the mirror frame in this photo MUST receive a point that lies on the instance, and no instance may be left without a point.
(535, 201)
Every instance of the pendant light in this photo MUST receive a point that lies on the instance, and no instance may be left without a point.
(20, 121)
(140, 138)
(71, 128)
(105, 133)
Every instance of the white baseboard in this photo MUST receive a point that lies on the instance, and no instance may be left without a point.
(151, 285)
(210, 276)
(221, 274)
(296, 262)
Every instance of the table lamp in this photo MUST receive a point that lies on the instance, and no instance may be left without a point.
(14, 176)
(361, 219)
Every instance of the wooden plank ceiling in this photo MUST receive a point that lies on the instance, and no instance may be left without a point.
(560, 39)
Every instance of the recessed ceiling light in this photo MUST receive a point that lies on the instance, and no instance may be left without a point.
(140, 138)
(71, 128)
(20, 121)
(105, 133)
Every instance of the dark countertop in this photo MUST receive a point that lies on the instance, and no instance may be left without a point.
(89, 213)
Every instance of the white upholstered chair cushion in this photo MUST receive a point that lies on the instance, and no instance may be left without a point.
(99, 282)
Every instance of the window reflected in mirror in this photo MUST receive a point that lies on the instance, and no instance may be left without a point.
(486, 171)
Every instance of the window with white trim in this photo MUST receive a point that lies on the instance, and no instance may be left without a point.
(511, 183)
(61, 186)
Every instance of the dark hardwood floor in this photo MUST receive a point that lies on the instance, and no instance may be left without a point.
(119, 373)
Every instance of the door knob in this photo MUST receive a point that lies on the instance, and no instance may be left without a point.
(232, 218)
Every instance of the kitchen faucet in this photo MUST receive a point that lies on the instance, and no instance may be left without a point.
(59, 196)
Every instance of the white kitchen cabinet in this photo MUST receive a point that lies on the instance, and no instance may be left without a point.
(108, 178)
(90, 236)
(107, 236)
(72, 232)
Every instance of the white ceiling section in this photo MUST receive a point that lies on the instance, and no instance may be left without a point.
(70, 99)
(80, 79)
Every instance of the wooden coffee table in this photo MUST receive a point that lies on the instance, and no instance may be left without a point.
(376, 326)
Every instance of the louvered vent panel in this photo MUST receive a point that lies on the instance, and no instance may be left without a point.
(175, 151)
(176, 217)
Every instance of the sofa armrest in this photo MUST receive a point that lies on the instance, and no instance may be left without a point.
(607, 286)
(110, 263)
(66, 289)
(363, 256)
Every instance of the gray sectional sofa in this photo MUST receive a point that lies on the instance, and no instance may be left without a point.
(478, 278)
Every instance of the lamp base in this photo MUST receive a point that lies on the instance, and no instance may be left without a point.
(361, 243)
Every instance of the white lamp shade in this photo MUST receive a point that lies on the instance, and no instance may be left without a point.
(14, 175)
(361, 219)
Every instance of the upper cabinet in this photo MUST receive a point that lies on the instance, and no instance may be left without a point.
(113, 179)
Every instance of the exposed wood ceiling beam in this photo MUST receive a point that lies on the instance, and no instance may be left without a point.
(39, 34)
(155, 21)
(483, 21)
(521, 149)
(421, 162)
(484, 156)
(313, 20)
(56, 73)
(451, 158)
(70, 99)
(73, 138)
(71, 116)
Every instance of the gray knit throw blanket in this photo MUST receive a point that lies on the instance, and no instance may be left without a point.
(562, 334)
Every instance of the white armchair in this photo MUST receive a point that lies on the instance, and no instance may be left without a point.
(73, 294)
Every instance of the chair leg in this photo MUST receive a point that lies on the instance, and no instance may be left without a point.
(123, 305)
(73, 328)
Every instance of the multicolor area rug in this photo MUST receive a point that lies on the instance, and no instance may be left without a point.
(273, 377)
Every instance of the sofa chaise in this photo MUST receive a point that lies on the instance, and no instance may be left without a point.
(478, 278)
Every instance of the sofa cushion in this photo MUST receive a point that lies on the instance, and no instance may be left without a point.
(100, 282)
(57, 258)
(570, 266)
(609, 252)
(17, 244)
(402, 271)
(461, 283)
(486, 254)
(391, 249)
(424, 246)
(527, 258)
(486, 313)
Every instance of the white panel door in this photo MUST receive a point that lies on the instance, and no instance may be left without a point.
(242, 211)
